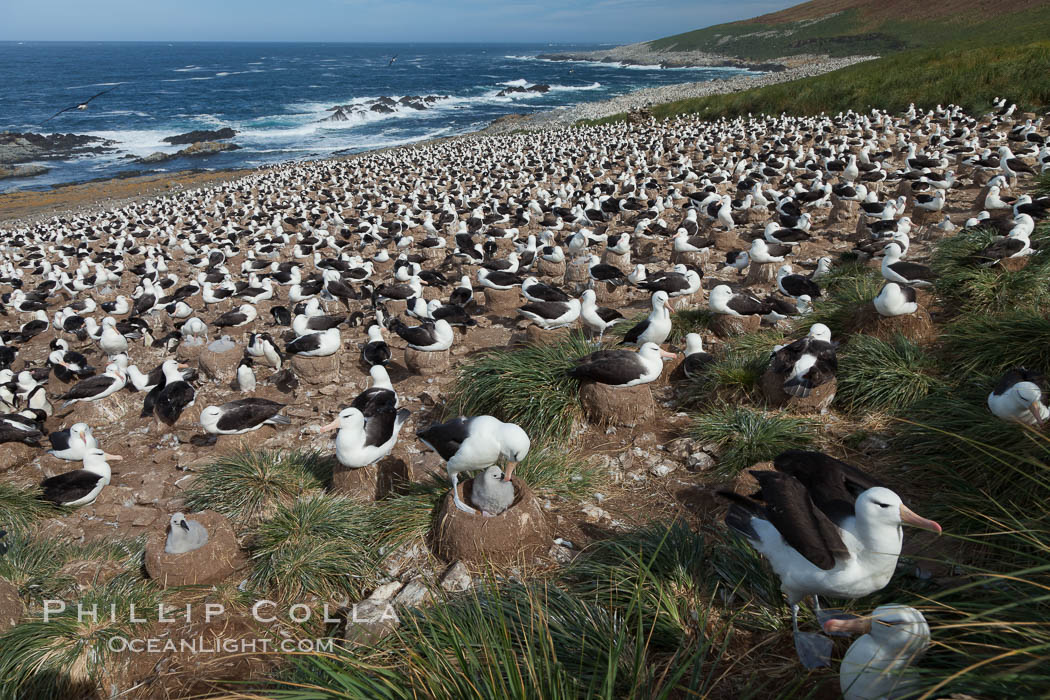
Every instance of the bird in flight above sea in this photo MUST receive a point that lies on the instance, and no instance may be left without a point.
(392, 59)
(80, 105)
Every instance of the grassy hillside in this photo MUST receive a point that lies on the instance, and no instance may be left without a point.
(967, 77)
(855, 27)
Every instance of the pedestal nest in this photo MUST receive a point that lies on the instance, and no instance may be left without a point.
(395, 307)
(11, 608)
(917, 327)
(541, 336)
(696, 258)
(621, 262)
(213, 562)
(371, 483)
(761, 273)
(608, 294)
(728, 240)
(726, 326)
(502, 301)
(612, 405)
(427, 363)
(220, 366)
(576, 276)
(518, 534)
(317, 370)
(550, 270)
(818, 400)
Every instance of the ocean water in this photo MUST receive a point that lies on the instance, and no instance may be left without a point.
(276, 94)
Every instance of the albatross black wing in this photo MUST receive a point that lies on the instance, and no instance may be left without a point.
(832, 484)
(446, 438)
(77, 105)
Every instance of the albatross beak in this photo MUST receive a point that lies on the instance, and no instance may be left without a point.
(667, 355)
(112, 458)
(859, 625)
(1034, 409)
(182, 365)
(509, 470)
(908, 516)
(331, 426)
(667, 305)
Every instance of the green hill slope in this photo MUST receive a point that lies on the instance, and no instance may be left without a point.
(856, 27)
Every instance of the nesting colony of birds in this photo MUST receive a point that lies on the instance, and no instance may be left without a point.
(341, 296)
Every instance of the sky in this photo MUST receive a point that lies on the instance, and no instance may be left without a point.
(581, 21)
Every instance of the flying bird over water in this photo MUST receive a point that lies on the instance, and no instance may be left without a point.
(392, 59)
(80, 105)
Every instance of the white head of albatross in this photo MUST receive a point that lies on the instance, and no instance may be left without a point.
(1018, 397)
(359, 443)
(877, 663)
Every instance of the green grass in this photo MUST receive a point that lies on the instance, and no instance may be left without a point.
(748, 436)
(991, 345)
(685, 322)
(736, 371)
(987, 289)
(848, 288)
(527, 386)
(321, 545)
(1042, 187)
(876, 375)
(971, 77)
(33, 564)
(21, 507)
(249, 485)
(65, 656)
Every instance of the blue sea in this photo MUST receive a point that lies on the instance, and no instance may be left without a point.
(276, 94)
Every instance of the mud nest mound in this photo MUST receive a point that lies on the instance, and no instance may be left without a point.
(517, 534)
(218, 558)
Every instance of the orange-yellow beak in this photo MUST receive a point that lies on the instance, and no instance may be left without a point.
(911, 518)
(112, 458)
(330, 427)
(859, 625)
(508, 470)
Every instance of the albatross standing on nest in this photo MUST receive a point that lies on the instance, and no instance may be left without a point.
(826, 528)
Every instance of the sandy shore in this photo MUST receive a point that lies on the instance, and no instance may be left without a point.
(26, 206)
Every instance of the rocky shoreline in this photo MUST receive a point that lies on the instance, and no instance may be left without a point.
(642, 54)
(647, 97)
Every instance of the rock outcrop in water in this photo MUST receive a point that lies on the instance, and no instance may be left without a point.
(201, 135)
(21, 171)
(203, 148)
(383, 105)
(23, 148)
(540, 88)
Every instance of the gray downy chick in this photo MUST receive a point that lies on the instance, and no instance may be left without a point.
(185, 535)
(490, 493)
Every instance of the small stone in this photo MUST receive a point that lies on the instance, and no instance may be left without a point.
(369, 621)
(330, 390)
(594, 514)
(700, 462)
(385, 591)
(661, 470)
(560, 554)
(414, 594)
(636, 475)
(456, 578)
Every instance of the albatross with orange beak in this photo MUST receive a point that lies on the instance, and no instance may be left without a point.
(470, 444)
(827, 528)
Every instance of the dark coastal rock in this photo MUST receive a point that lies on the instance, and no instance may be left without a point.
(201, 135)
(22, 171)
(382, 108)
(338, 116)
(204, 148)
(22, 148)
(540, 88)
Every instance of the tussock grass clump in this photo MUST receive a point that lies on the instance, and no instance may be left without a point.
(527, 386)
(64, 656)
(321, 545)
(748, 435)
(248, 485)
(987, 289)
(1042, 187)
(953, 442)
(20, 507)
(683, 323)
(33, 564)
(979, 343)
(845, 291)
(736, 371)
(879, 375)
